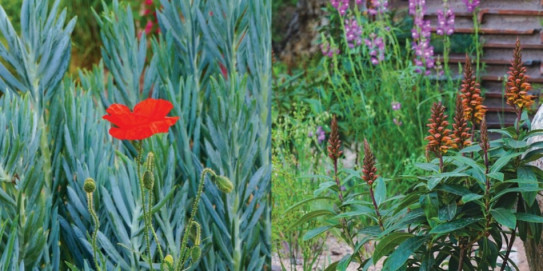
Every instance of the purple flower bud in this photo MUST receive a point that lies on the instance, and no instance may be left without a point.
(396, 106)
(471, 5)
(353, 32)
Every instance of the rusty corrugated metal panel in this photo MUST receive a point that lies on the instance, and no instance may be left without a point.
(500, 23)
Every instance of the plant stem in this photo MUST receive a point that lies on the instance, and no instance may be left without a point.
(150, 214)
(96, 227)
(337, 181)
(142, 189)
(509, 247)
(461, 258)
(376, 208)
(181, 261)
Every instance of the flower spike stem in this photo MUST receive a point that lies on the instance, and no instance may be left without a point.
(183, 252)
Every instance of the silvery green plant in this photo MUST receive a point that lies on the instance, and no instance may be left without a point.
(62, 140)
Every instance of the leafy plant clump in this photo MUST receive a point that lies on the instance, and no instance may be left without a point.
(476, 195)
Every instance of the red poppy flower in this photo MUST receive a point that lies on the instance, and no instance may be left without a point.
(148, 118)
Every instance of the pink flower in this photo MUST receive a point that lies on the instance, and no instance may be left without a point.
(148, 27)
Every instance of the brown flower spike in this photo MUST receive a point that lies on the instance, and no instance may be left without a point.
(333, 142)
(474, 110)
(517, 83)
(368, 169)
(439, 140)
(334, 153)
(460, 135)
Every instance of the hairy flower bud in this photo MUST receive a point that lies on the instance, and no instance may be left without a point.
(150, 161)
(195, 253)
(89, 185)
(148, 180)
(223, 183)
(168, 262)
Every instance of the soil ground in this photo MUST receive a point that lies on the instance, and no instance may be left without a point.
(335, 250)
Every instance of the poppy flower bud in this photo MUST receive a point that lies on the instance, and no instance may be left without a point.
(195, 253)
(150, 161)
(223, 183)
(196, 227)
(168, 262)
(148, 180)
(89, 186)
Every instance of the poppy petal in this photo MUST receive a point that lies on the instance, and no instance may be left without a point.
(153, 108)
(116, 109)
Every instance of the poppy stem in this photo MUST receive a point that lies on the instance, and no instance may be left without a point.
(183, 254)
(142, 189)
(150, 212)
(96, 227)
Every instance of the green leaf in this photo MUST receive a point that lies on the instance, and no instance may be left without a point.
(502, 161)
(388, 243)
(398, 258)
(360, 210)
(525, 172)
(380, 191)
(430, 204)
(514, 190)
(529, 217)
(505, 217)
(448, 212)
(428, 167)
(471, 197)
(311, 215)
(453, 225)
(324, 186)
(314, 232)
(515, 144)
(306, 201)
(496, 175)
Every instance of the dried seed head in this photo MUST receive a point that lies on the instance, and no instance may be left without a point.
(148, 180)
(517, 83)
(334, 144)
(461, 135)
(89, 185)
(368, 169)
(439, 140)
(472, 101)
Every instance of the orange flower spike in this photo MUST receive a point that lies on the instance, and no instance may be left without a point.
(461, 135)
(474, 110)
(369, 170)
(147, 119)
(517, 83)
(439, 140)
